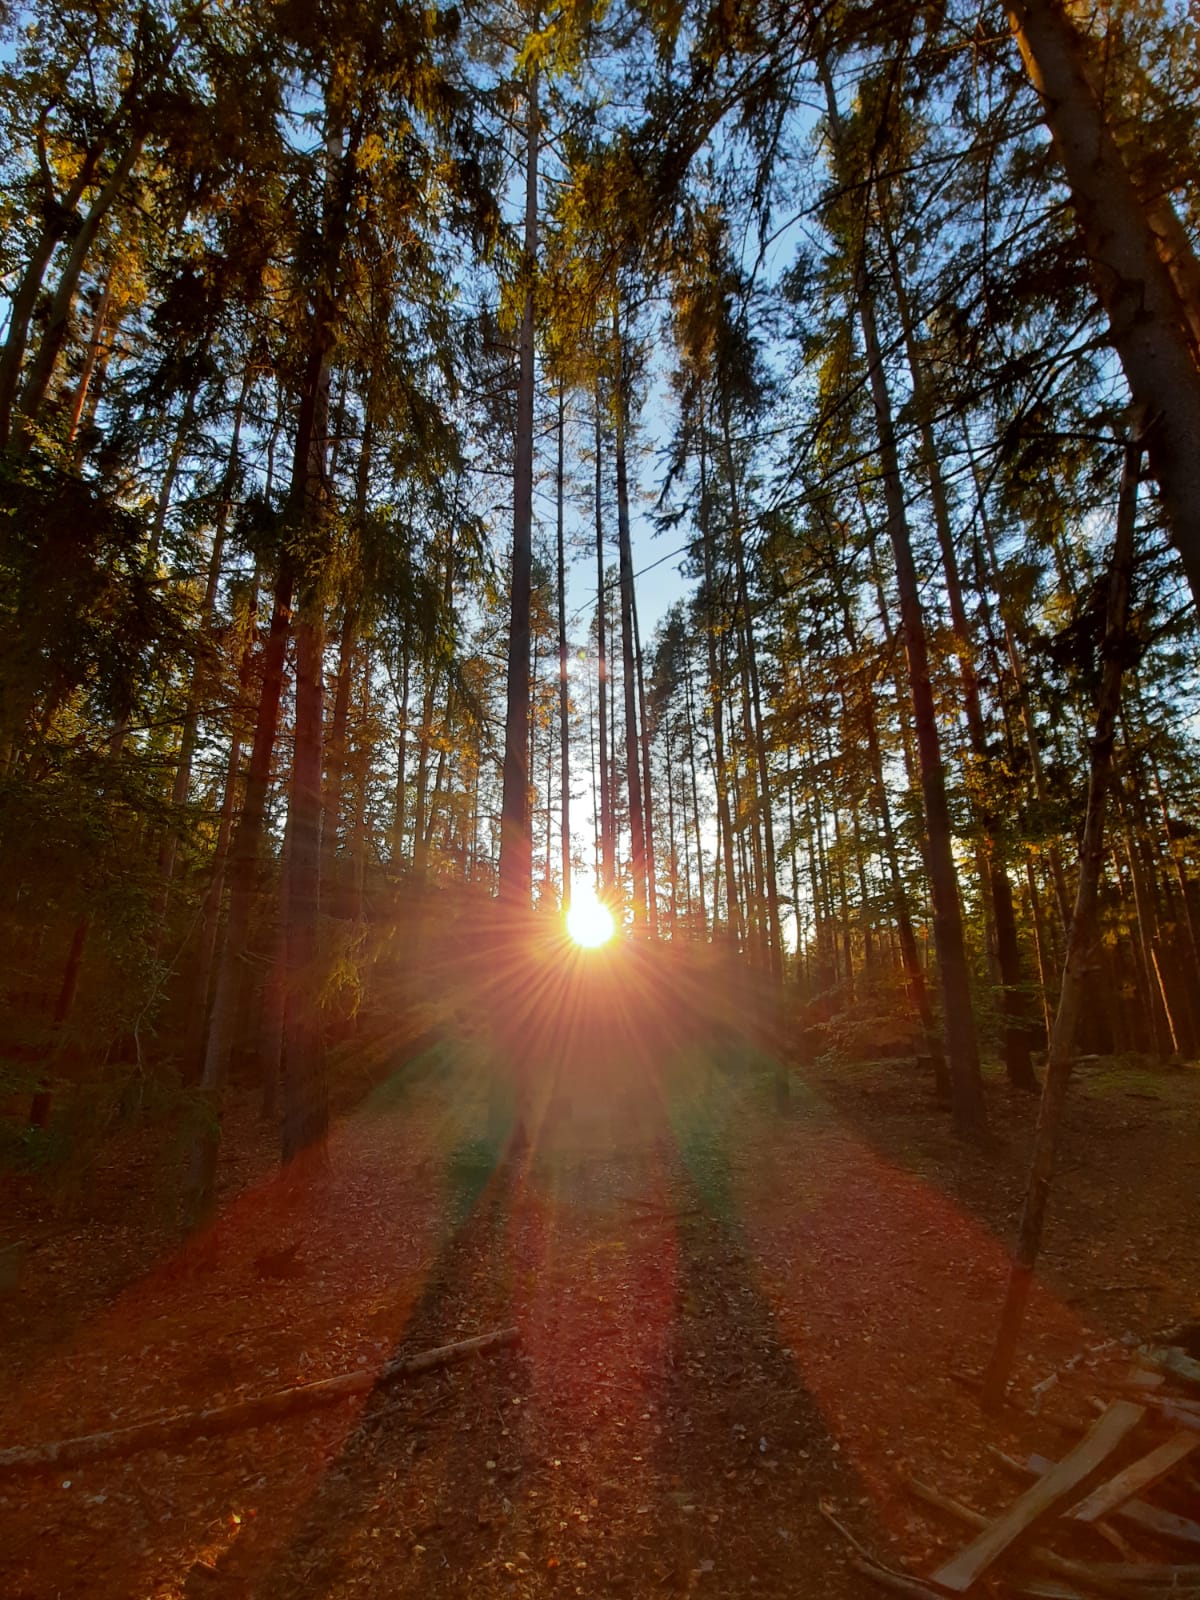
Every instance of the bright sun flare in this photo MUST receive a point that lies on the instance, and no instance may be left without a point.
(588, 922)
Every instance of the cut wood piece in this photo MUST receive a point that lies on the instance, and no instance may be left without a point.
(1137, 1476)
(1119, 1579)
(1176, 1363)
(157, 1432)
(1180, 1411)
(1140, 1379)
(1136, 1513)
(1041, 1499)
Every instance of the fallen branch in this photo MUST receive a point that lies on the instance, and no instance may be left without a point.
(863, 1561)
(158, 1432)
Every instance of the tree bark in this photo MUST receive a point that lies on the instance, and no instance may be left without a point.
(1015, 997)
(962, 1049)
(564, 698)
(1147, 320)
(516, 843)
(637, 820)
(607, 865)
(41, 369)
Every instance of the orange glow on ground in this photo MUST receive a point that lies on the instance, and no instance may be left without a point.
(722, 1312)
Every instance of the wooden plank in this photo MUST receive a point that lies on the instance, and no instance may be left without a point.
(1137, 1513)
(1174, 1362)
(1088, 1573)
(1137, 1476)
(1041, 1499)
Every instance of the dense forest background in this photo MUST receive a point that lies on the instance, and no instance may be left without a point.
(342, 341)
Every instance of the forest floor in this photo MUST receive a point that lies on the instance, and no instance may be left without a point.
(727, 1318)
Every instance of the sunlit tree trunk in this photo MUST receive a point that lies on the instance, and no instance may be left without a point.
(40, 374)
(962, 1048)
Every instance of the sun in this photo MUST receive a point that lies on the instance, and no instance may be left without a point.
(588, 922)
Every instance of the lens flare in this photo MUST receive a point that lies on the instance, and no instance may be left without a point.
(588, 922)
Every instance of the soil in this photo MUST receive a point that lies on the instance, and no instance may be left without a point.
(729, 1320)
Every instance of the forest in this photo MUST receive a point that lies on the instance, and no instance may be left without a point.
(378, 890)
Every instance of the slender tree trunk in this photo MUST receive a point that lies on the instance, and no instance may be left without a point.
(1014, 994)
(607, 863)
(43, 1095)
(243, 874)
(759, 760)
(564, 699)
(716, 698)
(210, 916)
(191, 716)
(1081, 940)
(647, 790)
(398, 803)
(962, 1049)
(516, 842)
(637, 816)
(691, 716)
(91, 360)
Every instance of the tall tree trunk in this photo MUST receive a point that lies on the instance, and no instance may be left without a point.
(1147, 320)
(400, 796)
(1014, 993)
(637, 816)
(647, 788)
(716, 698)
(210, 915)
(335, 753)
(962, 1049)
(607, 863)
(243, 874)
(1081, 940)
(759, 760)
(691, 718)
(564, 700)
(191, 715)
(516, 842)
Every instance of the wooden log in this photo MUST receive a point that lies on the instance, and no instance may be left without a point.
(1137, 1513)
(157, 1432)
(1137, 1476)
(1041, 1499)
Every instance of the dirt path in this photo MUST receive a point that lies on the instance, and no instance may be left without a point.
(725, 1319)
